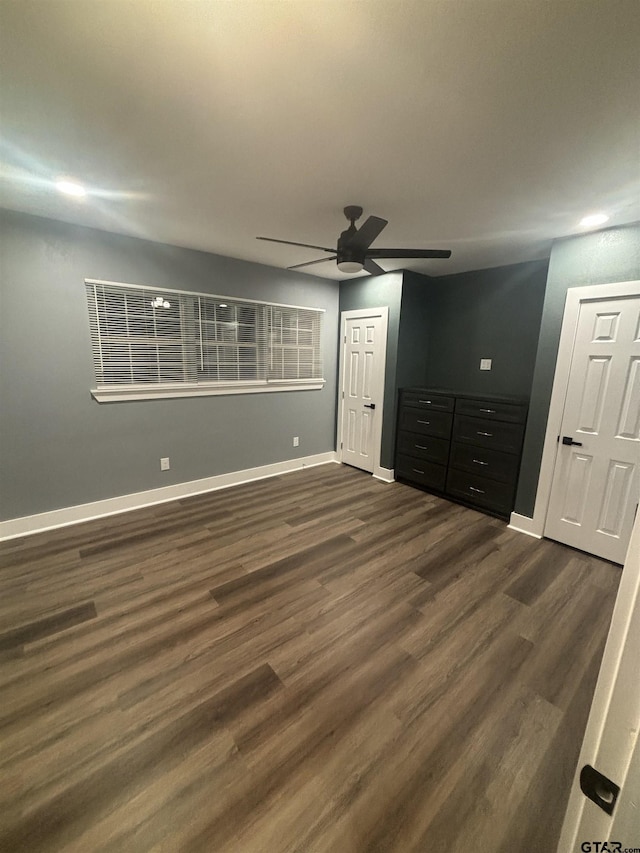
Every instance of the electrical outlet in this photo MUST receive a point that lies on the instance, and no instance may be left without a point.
(296, 441)
(164, 463)
(485, 364)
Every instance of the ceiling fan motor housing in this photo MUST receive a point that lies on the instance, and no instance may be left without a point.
(347, 253)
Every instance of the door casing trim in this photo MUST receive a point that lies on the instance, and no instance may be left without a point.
(361, 314)
(575, 297)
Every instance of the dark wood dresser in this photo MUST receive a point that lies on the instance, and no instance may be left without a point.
(462, 446)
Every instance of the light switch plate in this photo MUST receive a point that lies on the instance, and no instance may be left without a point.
(485, 364)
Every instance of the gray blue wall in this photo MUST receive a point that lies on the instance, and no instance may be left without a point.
(492, 313)
(594, 258)
(59, 446)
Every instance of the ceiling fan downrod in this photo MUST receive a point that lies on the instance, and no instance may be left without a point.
(350, 258)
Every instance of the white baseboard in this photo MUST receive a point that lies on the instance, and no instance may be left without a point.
(384, 474)
(525, 524)
(124, 503)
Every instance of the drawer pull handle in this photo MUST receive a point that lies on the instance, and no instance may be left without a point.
(424, 422)
(478, 462)
(417, 470)
(473, 489)
(420, 446)
(489, 411)
(488, 434)
(424, 401)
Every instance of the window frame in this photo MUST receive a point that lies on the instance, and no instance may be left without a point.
(122, 391)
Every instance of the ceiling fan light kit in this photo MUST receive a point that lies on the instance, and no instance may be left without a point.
(350, 266)
(353, 253)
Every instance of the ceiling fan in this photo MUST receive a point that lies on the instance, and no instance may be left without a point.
(353, 252)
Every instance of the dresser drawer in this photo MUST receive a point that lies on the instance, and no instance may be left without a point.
(490, 434)
(426, 422)
(424, 400)
(420, 471)
(485, 463)
(510, 412)
(481, 491)
(423, 447)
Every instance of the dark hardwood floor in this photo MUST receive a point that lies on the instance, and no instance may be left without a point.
(317, 662)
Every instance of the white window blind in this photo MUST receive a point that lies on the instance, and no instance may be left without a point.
(231, 340)
(150, 342)
(294, 343)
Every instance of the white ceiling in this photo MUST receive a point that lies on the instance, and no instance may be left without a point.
(486, 126)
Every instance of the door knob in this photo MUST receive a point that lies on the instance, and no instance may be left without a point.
(369, 405)
(566, 439)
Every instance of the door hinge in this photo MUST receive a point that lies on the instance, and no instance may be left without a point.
(345, 339)
(340, 445)
(343, 395)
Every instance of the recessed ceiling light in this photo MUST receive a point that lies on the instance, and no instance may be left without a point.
(71, 188)
(593, 220)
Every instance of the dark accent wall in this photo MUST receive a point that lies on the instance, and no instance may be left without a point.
(378, 292)
(62, 448)
(595, 258)
(493, 313)
(439, 328)
(414, 332)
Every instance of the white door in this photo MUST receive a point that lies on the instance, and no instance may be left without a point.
(611, 745)
(362, 388)
(596, 480)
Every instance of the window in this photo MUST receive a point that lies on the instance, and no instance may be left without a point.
(150, 343)
(294, 343)
(229, 340)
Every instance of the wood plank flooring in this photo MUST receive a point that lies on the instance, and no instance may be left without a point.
(318, 663)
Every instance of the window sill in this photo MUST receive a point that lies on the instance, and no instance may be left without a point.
(123, 393)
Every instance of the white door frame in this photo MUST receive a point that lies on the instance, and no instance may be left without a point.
(611, 734)
(379, 473)
(575, 297)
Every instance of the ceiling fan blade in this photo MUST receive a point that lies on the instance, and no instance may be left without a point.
(367, 233)
(309, 263)
(372, 267)
(291, 243)
(408, 253)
